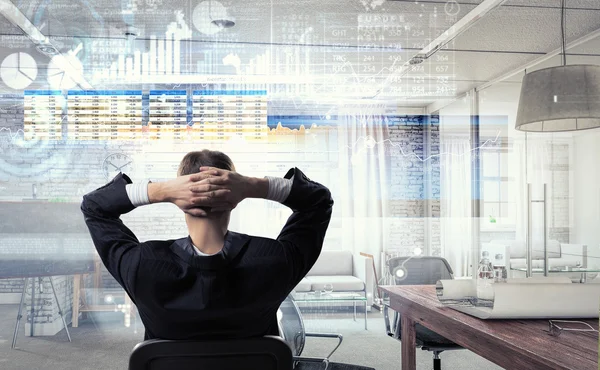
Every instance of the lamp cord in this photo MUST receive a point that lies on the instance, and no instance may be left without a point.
(562, 28)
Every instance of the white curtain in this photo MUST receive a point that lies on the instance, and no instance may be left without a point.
(456, 200)
(363, 183)
(529, 164)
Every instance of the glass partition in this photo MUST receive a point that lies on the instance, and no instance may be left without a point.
(533, 223)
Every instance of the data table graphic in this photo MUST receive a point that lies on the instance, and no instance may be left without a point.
(167, 115)
(229, 114)
(205, 115)
(104, 114)
(42, 116)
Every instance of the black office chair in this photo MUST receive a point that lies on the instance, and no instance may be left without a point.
(268, 353)
(419, 271)
(291, 328)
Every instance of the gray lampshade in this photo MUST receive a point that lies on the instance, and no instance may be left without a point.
(565, 98)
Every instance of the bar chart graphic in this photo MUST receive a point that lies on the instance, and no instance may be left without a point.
(163, 58)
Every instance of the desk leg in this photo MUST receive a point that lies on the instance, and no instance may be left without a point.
(365, 315)
(409, 342)
(76, 292)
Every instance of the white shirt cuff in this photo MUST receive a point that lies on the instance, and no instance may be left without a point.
(138, 193)
(279, 188)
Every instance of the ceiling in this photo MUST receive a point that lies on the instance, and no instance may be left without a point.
(320, 50)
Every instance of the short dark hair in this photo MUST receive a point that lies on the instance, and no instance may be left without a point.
(192, 162)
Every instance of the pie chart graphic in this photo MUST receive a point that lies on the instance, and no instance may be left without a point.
(18, 70)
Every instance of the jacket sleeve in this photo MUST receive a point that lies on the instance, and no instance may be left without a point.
(304, 232)
(117, 246)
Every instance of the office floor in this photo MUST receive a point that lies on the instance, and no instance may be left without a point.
(107, 345)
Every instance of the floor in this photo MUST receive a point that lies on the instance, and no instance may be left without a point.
(105, 344)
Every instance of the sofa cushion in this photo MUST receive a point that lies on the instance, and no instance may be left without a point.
(573, 255)
(332, 263)
(303, 286)
(522, 263)
(518, 248)
(340, 283)
(552, 246)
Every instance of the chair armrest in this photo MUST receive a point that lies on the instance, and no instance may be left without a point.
(386, 320)
(362, 268)
(394, 333)
(339, 337)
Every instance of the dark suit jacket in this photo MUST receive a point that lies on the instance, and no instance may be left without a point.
(233, 294)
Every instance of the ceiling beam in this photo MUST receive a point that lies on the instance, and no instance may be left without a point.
(437, 105)
(582, 40)
(442, 40)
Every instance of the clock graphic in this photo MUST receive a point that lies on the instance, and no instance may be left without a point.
(115, 163)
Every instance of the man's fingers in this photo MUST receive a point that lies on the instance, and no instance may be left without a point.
(213, 170)
(211, 197)
(206, 187)
(202, 176)
(196, 212)
(204, 202)
(217, 180)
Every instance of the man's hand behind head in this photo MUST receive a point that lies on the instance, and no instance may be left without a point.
(220, 189)
(212, 189)
(189, 193)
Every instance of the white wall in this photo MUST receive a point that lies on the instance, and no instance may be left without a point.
(586, 186)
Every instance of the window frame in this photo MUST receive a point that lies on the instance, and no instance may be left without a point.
(500, 149)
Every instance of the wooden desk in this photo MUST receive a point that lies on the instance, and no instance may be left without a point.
(512, 344)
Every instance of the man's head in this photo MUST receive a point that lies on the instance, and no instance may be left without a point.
(192, 162)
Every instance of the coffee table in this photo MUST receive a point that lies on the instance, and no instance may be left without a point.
(333, 297)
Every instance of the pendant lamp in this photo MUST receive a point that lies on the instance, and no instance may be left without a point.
(562, 98)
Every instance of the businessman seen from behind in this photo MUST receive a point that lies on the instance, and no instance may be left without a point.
(214, 283)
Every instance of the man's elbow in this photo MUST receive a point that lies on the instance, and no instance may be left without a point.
(84, 206)
(88, 206)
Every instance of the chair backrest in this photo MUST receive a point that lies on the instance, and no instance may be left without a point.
(291, 325)
(424, 270)
(269, 353)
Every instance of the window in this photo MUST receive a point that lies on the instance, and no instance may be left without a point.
(496, 206)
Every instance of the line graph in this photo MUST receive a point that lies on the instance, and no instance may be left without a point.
(371, 143)
(10, 133)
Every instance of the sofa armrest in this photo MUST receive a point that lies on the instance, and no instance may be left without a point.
(572, 254)
(593, 257)
(362, 268)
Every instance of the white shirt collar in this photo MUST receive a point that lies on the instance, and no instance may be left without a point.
(200, 253)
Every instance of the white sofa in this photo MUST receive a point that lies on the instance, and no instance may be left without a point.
(345, 271)
(560, 255)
